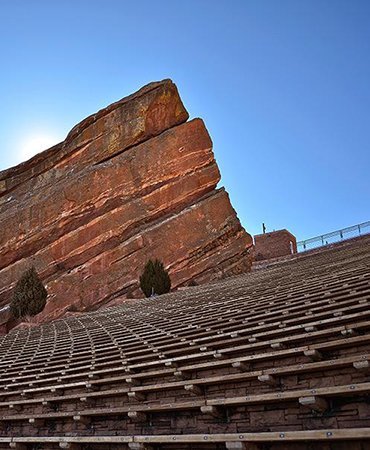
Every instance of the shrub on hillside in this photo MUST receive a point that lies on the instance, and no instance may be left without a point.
(155, 279)
(29, 296)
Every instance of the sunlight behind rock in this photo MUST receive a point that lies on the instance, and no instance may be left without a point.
(35, 144)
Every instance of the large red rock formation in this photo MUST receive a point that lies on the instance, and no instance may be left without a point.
(131, 182)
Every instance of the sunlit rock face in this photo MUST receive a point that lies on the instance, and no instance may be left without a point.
(134, 181)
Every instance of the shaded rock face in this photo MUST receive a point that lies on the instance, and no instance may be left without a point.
(134, 181)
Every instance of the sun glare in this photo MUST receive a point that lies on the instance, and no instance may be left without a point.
(35, 144)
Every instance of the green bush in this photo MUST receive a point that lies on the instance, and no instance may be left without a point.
(155, 279)
(29, 296)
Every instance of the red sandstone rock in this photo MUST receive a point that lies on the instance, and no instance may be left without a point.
(134, 119)
(129, 183)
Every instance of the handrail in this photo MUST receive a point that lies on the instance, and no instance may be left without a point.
(334, 236)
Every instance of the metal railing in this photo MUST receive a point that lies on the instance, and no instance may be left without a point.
(335, 236)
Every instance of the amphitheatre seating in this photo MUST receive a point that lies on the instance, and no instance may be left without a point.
(274, 359)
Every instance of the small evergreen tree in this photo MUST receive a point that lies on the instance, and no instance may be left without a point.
(29, 296)
(155, 279)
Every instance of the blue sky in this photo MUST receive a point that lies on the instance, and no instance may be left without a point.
(283, 86)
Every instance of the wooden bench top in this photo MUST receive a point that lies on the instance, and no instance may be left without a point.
(283, 435)
(352, 389)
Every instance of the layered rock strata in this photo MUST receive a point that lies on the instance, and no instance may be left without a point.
(134, 181)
